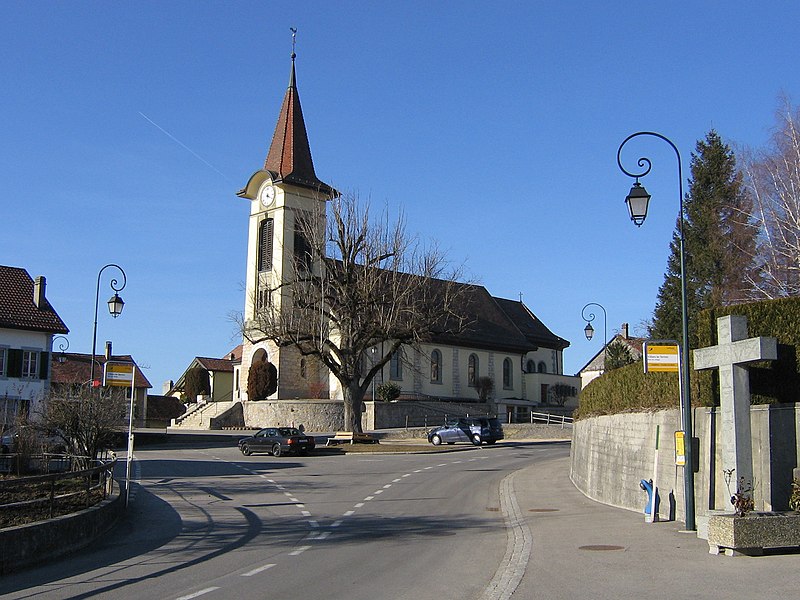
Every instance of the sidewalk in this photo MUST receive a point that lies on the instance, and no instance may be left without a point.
(583, 549)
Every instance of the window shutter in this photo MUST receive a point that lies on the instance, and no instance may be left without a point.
(44, 362)
(14, 362)
(265, 245)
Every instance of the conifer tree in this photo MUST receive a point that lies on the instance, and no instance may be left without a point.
(719, 242)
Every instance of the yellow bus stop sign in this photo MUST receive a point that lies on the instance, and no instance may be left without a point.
(118, 374)
(661, 358)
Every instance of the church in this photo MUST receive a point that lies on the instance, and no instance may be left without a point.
(504, 340)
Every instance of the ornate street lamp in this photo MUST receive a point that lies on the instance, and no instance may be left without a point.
(637, 201)
(63, 346)
(589, 330)
(115, 306)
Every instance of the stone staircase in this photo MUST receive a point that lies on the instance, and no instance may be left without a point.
(199, 416)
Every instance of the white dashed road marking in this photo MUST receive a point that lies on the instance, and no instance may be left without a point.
(197, 594)
(258, 570)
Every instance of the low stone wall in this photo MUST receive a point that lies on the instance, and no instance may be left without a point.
(328, 415)
(37, 542)
(385, 415)
(610, 455)
(314, 415)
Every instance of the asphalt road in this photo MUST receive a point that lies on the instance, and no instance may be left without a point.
(207, 522)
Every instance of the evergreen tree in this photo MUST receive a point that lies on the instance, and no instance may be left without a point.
(617, 355)
(719, 242)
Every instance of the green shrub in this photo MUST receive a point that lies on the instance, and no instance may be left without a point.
(629, 389)
(196, 383)
(388, 391)
(262, 380)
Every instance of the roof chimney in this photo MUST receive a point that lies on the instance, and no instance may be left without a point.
(108, 350)
(624, 331)
(39, 285)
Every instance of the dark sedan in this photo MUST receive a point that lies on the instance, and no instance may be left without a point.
(277, 441)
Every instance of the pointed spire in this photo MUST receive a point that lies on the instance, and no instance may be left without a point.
(290, 153)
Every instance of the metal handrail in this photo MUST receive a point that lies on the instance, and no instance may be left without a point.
(551, 419)
(103, 473)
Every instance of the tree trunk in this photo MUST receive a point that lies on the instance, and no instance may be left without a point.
(353, 398)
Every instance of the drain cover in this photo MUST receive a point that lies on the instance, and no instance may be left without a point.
(542, 510)
(601, 547)
(492, 509)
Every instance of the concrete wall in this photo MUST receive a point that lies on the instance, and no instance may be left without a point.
(611, 454)
(38, 542)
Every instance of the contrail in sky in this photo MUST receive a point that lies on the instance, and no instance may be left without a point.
(177, 141)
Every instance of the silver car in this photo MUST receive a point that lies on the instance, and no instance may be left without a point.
(477, 430)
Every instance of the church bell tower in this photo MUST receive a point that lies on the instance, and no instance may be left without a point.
(280, 195)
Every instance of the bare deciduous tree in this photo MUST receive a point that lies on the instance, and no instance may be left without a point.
(86, 420)
(358, 284)
(773, 178)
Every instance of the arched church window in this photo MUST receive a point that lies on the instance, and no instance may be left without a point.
(472, 370)
(265, 245)
(303, 368)
(542, 367)
(508, 377)
(436, 367)
(530, 367)
(396, 365)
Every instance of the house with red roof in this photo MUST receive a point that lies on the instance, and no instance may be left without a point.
(28, 323)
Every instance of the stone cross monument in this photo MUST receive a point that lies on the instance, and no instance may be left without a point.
(731, 356)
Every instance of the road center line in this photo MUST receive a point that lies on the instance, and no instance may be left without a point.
(299, 551)
(200, 593)
(258, 570)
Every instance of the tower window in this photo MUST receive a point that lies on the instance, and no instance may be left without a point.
(265, 245)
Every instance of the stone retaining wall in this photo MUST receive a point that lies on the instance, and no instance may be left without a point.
(314, 415)
(37, 542)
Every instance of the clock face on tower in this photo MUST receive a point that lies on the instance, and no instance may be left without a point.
(267, 195)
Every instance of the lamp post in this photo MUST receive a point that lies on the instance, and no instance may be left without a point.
(63, 346)
(115, 305)
(589, 330)
(374, 350)
(637, 201)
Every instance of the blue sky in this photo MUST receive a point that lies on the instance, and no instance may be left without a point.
(127, 129)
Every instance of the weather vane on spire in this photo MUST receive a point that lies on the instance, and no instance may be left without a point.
(294, 39)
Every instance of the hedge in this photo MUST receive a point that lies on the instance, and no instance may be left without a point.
(629, 389)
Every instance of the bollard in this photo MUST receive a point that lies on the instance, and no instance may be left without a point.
(647, 486)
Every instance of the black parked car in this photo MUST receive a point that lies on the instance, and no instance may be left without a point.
(470, 429)
(277, 441)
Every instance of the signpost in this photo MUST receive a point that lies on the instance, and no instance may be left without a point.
(664, 356)
(122, 374)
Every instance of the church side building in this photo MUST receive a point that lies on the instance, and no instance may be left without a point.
(505, 340)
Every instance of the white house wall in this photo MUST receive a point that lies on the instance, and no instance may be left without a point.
(15, 388)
